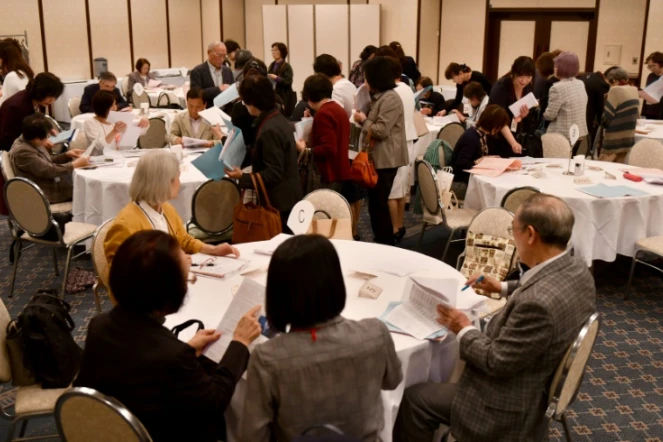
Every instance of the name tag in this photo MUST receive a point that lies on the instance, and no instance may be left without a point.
(514, 125)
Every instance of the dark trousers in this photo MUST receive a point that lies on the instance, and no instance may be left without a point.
(378, 207)
(423, 408)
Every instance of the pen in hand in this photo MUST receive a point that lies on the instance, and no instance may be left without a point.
(479, 279)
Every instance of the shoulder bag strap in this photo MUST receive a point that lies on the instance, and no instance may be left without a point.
(262, 189)
(255, 187)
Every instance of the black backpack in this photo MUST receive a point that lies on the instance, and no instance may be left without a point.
(42, 332)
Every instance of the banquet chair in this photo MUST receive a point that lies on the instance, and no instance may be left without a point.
(515, 197)
(212, 209)
(155, 137)
(646, 153)
(555, 146)
(329, 204)
(451, 133)
(31, 401)
(100, 263)
(7, 166)
(137, 100)
(124, 86)
(168, 100)
(74, 106)
(84, 414)
(30, 212)
(646, 246)
(570, 371)
(433, 209)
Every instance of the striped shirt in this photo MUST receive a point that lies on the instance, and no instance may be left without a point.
(620, 117)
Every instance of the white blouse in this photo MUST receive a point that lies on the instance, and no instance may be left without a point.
(158, 220)
(94, 129)
(12, 84)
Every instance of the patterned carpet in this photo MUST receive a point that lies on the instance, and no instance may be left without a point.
(621, 397)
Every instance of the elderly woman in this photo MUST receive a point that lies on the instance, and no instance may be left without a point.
(335, 367)
(384, 127)
(567, 100)
(141, 75)
(281, 74)
(620, 116)
(99, 127)
(132, 357)
(155, 182)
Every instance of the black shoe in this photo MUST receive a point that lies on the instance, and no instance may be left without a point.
(398, 236)
(356, 237)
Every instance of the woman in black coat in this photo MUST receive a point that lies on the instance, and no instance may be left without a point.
(280, 72)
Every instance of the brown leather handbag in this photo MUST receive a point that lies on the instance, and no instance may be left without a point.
(255, 222)
(363, 169)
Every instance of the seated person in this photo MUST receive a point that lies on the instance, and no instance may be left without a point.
(156, 180)
(190, 124)
(478, 99)
(107, 82)
(109, 134)
(501, 395)
(326, 369)
(175, 392)
(141, 75)
(473, 145)
(434, 101)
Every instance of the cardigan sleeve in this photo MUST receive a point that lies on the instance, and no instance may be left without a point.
(189, 244)
(29, 161)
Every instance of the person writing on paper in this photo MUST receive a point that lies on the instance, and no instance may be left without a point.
(155, 182)
(432, 102)
(190, 124)
(275, 153)
(651, 109)
(506, 91)
(344, 91)
(107, 82)
(473, 145)
(502, 393)
(141, 75)
(620, 117)
(132, 357)
(462, 75)
(212, 76)
(567, 103)
(478, 100)
(384, 132)
(347, 363)
(281, 74)
(100, 128)
(13, 67)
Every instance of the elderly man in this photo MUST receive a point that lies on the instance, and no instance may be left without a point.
(501, 394)
(212, 76)
(107, 82)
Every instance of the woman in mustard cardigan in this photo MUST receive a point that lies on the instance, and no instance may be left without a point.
(155, 181)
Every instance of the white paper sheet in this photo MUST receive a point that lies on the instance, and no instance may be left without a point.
(363, 99)
(213, 116)
(303, 129)
(221, 266)
(270, 246)
(655, 90)
(193, 142)
(153, 83)
(132, 133)
(64, 137)
(249, 294)
(90, 148)
(417, 315)
(230, 94)
(447, 119)
(528, 100)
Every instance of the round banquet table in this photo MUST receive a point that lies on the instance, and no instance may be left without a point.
(209, 298)
(167, 114)
(100, 194)
(604, 227)
(654, 129)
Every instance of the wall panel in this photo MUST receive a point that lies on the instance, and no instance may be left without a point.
(233, 21)
(211, 23)
(302, 43)
(185, 33)
(111, 19)
(332, 34)
(364, 29)
(274, 30)
(65, 27)
(622, 23)
(543, 3)
(255, 41)
(654, 38)
(18, 16)
(429, 38)
(399, 23)
(150, 38)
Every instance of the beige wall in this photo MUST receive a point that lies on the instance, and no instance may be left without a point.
(398, 22)
(18, 16)
(621, 23)
(65, 27)
(110, 19)
(148, 18)
(211, 23)
(233, 23)
(429, 39)
(253, 23)
(185, 39)
(543, 3)
(654, 38)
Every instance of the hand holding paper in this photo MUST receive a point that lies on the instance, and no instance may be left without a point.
(228, 95)
(528, 100)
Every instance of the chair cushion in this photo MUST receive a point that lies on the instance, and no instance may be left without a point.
(61, 207)
(34, 399)
(653, 244)
(73, 233)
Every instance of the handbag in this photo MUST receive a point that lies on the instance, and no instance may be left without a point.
(336, 228)
(532, 145)
(308, 172)
(255, 222)
(363, 169)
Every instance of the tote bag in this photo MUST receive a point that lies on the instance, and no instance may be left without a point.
(255, 222)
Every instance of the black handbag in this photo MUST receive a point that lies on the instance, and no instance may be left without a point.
(308, 172)
(532, 145)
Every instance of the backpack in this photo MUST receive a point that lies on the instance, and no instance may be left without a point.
(43, 333)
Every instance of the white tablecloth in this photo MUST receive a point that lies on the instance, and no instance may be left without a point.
(100, 194)
(657, 130)
(603, 227)
(422, 361)
(167, 114)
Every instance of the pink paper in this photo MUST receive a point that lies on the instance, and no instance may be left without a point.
(494, 167)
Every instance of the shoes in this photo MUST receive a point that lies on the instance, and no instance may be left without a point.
(356, 237)
(398, 236)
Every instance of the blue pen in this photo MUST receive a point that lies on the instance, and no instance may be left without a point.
(479, 279)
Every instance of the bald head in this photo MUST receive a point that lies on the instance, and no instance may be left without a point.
(549, 216)
(216, 53)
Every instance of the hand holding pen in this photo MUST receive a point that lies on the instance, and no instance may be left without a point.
(486, 283)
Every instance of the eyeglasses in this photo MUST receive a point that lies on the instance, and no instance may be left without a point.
(218, 54)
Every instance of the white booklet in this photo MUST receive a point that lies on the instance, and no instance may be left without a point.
(213, 115)
(528, 100)
(249, 294)
(303, 129)
(217, 266)
(268, 247)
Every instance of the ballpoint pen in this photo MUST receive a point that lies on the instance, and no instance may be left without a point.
(479, 279)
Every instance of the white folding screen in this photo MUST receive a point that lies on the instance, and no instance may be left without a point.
(302, 43)
(364, 29)
(274, 27)
(331, 32)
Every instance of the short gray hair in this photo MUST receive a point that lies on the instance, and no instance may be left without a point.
(153, 175)
(616, 75)
(214, 44)
(549, 216)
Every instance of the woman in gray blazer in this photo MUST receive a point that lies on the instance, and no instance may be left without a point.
(141, 75)
(321, 368)
(384, 129)
(567, 100)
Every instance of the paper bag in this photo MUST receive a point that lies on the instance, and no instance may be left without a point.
(339, 228)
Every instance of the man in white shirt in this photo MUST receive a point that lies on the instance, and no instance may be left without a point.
(344, 91)
(501, 394)
(190, 124)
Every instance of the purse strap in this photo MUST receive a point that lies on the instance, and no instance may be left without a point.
(255, 188)
(262, 189)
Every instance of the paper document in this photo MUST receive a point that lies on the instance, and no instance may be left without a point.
(153, 84)
(64, 137)
(217, 266)
(392, 305)
(268, 247)
(249, 294)
(363, 99)
(132, 132)
(493, 167)
(193, 142)
(90, 149)
(209, 164)
(655, 90)
(447, 119)
(603, 191)
(303, 129)
(229, 95)
(528, 100)
(234, 149)
(213, 116)
(422, 92)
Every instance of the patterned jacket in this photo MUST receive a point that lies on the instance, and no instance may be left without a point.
(567, 105)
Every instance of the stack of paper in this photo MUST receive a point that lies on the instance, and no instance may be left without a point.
(228, 96)
(493, 167)
(528, 100)
(234, 149)
(602, 191)
(655, 90)
(64, 137)
(447, 119)
(189, 142)
(153, 84)
(217, 266)
(269, 247)
(303, 129)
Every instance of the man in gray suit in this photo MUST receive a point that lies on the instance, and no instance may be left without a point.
(501, 395)
(212, 76)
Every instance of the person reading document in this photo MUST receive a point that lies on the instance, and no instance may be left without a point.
(190, 124)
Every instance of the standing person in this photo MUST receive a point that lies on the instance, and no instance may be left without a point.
(281, 74)
(568, 99)
(107, 82)
(212, 76)
(597, 88)
(408, 64)
(242, 56)
(620, 117)
(653, 110)
(344, 91)
(434, 99)
(16, 71)
(384, 129)
(231, 48)
(357, 71)
(275, 153)
(141, 75)
(462, 75)
(545, 68)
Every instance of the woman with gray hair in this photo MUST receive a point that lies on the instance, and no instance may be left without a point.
(155, 182)
(567, 98)
(620, 117)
